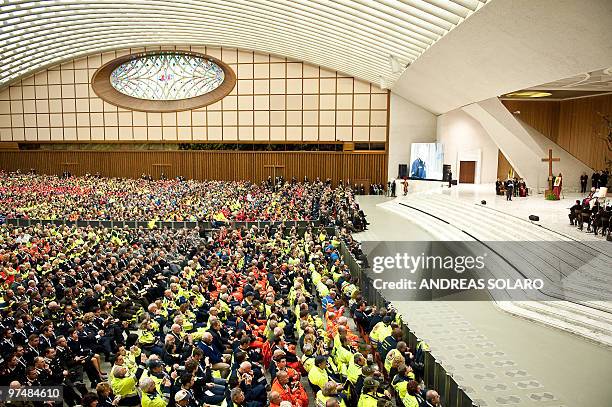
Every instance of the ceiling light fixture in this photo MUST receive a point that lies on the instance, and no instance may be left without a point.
(529, 94)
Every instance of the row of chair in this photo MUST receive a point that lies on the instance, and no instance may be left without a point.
(597, 220)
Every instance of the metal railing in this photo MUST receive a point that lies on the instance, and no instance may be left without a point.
(159, 224)
(435, 375)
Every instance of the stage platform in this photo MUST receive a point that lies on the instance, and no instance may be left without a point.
(501, 359)
(574, 265)
(553, 214)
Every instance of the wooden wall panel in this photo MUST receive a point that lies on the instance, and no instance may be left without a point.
(581, 129)
(223, 165)
(541, 115)
(574, 125)
(503, 167)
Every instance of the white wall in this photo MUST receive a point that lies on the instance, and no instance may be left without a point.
(408, 124)
(524, 147)
(522, 152)
(571, 167)
(463, 138)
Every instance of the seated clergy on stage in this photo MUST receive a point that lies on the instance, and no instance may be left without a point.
(499, 187)
(558, 184)
(522, 188)
(573, 212)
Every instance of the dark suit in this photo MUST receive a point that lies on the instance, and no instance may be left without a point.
(583, 183)
(213, 354)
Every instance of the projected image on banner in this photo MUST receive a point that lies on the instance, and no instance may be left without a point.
(426, 160)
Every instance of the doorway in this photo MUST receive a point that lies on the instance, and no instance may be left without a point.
(467, 172)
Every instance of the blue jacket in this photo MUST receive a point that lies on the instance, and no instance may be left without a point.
(418, 169)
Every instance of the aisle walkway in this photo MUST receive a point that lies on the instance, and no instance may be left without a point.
(504, 360)
(385, 225)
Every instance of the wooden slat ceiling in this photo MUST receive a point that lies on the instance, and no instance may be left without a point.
(370, 40)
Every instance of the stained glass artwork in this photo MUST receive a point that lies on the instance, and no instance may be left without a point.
(171, 76)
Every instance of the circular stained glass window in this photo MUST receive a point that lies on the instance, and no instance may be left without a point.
(167, 77)
(163, 81)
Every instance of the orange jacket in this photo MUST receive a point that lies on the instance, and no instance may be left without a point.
(297, 397)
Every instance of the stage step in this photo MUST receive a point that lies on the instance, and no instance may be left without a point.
(556, 317)
(576, 270)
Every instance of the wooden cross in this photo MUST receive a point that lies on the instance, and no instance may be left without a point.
(550, 160)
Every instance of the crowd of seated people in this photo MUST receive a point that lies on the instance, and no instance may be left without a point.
(594, 211)
(97, 198)
(377, 189)
(244, 317)
(93, 197)
(512, 186)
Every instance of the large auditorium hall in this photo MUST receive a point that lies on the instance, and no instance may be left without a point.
(305, 203)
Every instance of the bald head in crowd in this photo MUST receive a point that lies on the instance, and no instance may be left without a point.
(282, 377)
(245, 367)
(332, 402)
(433, 398)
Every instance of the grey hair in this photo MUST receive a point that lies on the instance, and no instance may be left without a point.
(146, 383)
(235, 391)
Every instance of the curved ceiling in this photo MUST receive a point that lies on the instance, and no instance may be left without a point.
(371, 40)
(510, 45)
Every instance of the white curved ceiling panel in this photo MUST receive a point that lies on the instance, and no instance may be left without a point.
(360, 38)
(512, 45)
